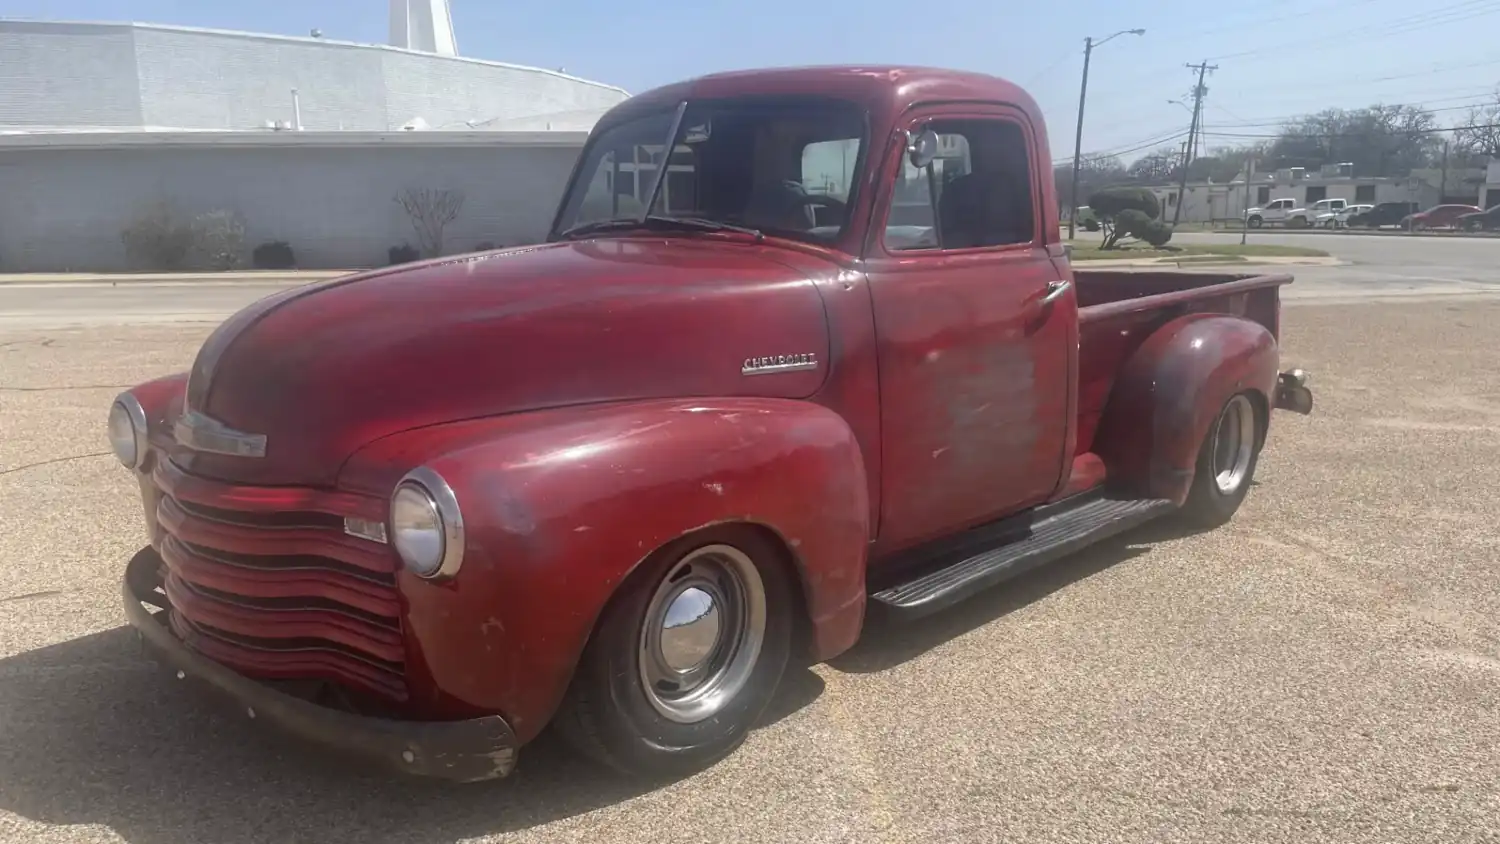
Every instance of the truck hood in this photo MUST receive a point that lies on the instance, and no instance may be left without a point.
(322, 370)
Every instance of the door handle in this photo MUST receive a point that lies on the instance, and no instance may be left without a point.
(1055, 290)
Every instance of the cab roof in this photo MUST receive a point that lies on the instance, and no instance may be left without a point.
(886, 91)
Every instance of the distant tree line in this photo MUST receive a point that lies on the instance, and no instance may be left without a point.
(1380, 140)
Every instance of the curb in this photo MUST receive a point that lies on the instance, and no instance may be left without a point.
(1237, 260)
(94, 279)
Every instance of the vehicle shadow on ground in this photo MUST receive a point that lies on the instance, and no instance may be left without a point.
(886, 644)
(92, 732)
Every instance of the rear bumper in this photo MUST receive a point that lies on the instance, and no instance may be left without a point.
(1292, 392)
(460, 751)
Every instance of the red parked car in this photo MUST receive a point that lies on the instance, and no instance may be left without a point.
(1437, 217)
(831, 361)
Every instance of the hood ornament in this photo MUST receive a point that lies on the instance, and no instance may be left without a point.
(200, 433)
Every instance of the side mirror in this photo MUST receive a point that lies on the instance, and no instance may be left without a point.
(921, 148)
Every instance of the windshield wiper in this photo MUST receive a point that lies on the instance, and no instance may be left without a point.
(658, 221)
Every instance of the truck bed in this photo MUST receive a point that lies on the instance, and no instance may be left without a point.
(1120, 309)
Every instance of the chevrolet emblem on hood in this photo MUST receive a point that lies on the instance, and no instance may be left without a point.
(200, 433)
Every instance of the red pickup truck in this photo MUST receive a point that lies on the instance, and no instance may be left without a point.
(802, 346)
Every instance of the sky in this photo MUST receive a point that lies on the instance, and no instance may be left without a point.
(1275, 58)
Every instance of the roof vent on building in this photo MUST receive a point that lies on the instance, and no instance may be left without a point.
(416, 124)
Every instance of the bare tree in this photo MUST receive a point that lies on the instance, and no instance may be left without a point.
(1479, 132)
(1158, 166)
(430, 212)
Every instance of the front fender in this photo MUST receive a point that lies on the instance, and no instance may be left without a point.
(560, 506)
(1170, 390)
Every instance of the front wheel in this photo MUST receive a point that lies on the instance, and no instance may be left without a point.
(685, 657)
(1226, 464)
(1256, 222)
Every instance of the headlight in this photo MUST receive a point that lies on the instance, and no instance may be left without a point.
(427, 529)
(127, 431)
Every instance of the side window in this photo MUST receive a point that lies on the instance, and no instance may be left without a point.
(977, 193)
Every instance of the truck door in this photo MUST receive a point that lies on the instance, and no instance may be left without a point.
(977, 331)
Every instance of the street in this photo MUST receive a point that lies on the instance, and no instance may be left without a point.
(1378, 266)
(1324, 668)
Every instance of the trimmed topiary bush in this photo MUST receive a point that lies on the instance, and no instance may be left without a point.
(1112, 205)
(1155, 233)
(1109, 202)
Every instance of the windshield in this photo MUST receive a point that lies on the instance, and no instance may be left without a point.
(780, 166)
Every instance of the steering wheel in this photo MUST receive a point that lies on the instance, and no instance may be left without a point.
(839, 207)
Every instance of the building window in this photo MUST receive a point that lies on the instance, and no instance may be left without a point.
(1316, 194)
(1171, 199)
(1262, 196)
(1364, 193)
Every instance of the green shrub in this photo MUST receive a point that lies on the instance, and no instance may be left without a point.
(161, 238)
(403, 254)
(158, 238)
(218, 241)
(273, 255)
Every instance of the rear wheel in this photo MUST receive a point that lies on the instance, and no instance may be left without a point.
(685, 658)
(1226, 464)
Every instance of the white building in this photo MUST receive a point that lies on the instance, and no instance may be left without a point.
(1205, 202)
(307, 140)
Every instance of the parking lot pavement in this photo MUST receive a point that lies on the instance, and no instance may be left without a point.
(1325, 668)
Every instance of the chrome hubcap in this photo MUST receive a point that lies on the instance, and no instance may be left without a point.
(1233, 444)
(702, 634)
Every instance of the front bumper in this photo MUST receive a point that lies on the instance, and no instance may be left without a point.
(460, 751)
(1292, 392)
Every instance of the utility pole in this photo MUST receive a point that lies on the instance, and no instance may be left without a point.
(1443, 189)
(1083, 92)
(1245, 212)
(1198, 91)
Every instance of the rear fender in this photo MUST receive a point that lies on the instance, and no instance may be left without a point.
(560, 506)
(1171, 389)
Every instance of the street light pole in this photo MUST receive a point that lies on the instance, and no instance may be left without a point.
(1083, 92)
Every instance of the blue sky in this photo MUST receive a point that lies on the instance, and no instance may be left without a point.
(1276, 57)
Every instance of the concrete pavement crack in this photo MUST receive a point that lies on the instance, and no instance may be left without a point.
(53, 460)
(4, 389)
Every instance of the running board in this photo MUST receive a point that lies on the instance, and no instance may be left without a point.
(992, 554)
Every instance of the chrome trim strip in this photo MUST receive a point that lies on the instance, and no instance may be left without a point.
(432, 483)
(200, 433)
(773, 364)
(365, 529)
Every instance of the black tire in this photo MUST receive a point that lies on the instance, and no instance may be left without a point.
(609, 715)
(1211, 503)
(1256, 222)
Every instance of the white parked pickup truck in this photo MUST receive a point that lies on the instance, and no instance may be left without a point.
(1287, 213)
(1340, 219)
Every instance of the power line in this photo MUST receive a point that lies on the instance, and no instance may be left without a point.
(1108, 153)
(1454, 13)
